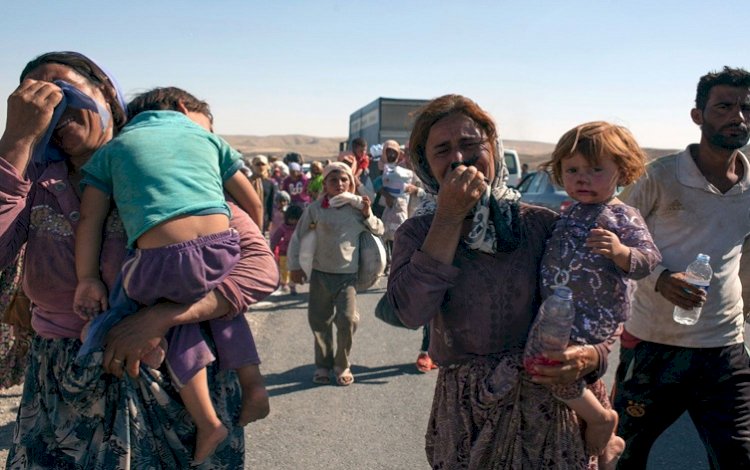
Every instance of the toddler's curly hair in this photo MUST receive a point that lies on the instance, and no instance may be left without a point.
(594, 140)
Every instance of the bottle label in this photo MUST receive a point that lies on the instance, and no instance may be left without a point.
(699, 283)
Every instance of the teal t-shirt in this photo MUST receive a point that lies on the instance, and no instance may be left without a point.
(162, 165)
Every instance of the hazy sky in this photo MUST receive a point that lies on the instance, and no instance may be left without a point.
(301, 67)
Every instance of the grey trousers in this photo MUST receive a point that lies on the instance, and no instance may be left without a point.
(333, 299)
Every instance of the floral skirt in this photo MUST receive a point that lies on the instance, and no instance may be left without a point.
(74, 416)
(487, 414)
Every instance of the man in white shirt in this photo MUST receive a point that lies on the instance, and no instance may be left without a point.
(696, 201)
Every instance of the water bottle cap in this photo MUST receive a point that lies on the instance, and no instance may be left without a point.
(703, 258)
(564, 292)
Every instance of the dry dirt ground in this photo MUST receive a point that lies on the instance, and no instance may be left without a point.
(9, 399)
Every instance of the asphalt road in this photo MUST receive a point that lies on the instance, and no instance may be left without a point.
(379, 421)
(376, 423)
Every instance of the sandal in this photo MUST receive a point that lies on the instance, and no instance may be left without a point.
(344, 377)
(322, 376)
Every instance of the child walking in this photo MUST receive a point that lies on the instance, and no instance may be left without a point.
(165, 172)
(598, 248)
(280, 239)
(338, 218)
(280, 205)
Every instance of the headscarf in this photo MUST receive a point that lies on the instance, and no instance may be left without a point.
(495, 225)
(342, 167)
(74, 98)
(393, 145)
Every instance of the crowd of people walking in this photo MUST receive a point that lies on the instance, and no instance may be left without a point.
(123, 287)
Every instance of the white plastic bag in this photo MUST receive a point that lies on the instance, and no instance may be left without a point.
(371, 260)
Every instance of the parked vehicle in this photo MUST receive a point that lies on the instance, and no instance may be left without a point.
(537, 188)
(513, 163)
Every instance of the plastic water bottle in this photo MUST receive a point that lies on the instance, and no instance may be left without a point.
(551, 331)
(698, 273)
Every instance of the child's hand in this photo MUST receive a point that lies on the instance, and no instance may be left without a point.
(90, 298)
(366, 206)
(297, 276)
(607, 244)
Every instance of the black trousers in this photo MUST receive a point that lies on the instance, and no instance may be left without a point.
(655, 384)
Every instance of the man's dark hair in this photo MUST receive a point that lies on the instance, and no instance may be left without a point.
(167, 99)
(293, 157)
(728, 76)
(359, 142)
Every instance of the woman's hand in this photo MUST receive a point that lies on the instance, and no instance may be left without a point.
(366, 205)
(575, 363)
(297, 276)
(30, 109)
(459, 192)
(134, 336)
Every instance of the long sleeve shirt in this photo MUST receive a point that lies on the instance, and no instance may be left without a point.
(337, 237)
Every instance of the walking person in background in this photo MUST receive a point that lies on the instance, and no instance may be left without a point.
(693, 202)
(296, 185)
(279, 171)
(315, 186)
(338, 218)
(359, 150)
(280, 239)
(598, 234)
(280, 206)
(261, 178)
(468, 265)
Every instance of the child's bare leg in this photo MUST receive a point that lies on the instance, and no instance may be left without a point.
(600, 422)
(255, 404)
(608, 459)
(210, 432)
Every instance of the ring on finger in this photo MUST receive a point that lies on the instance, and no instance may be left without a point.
(117, 361)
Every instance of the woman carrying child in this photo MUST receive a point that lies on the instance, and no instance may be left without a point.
(338, 218)
(110, 421)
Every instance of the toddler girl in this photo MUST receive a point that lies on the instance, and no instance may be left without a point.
(598, 248)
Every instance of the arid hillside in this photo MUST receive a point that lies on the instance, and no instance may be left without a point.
(320, 148)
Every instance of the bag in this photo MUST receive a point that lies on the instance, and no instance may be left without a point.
(371, 260)
(307, 252)
(385, 312)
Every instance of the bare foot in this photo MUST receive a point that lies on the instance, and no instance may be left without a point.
(255, 404)
(207, 439)
(608, 459)
(598, 434)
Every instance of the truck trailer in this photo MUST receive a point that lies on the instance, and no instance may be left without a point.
(383, 119)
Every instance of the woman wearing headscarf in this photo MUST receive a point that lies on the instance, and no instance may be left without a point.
(84, 412)
(467, 264)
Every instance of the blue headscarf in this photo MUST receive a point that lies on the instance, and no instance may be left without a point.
(45, 151)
